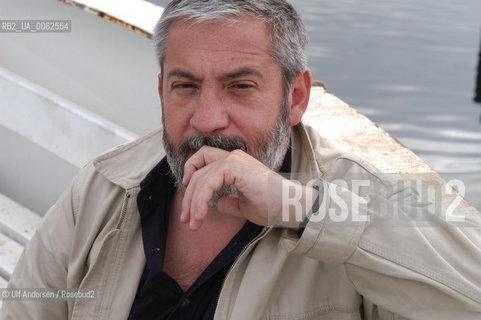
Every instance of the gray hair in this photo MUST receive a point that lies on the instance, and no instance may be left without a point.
(288, 33)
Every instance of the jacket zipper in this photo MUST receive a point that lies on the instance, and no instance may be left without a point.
(123, 211)
(239, 257)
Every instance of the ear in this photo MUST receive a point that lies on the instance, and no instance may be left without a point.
(300, 93)
(160, 85)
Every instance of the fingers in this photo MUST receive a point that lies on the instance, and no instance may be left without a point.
(200, 159)
(198, 195)
(210, 169)
(203, 183)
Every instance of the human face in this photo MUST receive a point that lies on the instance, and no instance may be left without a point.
(271, 149)
(220, 78)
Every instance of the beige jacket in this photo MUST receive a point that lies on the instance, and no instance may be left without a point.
(91, 239)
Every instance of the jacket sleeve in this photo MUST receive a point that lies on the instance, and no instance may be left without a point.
(398, 253)
(43, 264)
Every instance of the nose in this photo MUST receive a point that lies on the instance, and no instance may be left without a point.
(210, 112)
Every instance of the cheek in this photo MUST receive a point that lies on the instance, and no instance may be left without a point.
(176, 123)
(252, 125)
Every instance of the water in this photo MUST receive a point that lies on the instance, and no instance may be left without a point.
(410, 67)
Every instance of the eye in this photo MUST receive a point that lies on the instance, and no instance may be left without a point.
(183, 85)
(184, 88)
(242, 86)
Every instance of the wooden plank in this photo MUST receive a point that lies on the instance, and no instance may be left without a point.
(138, 15)
(58, 125)
(3, 284)
(10, 252)
(17, 222)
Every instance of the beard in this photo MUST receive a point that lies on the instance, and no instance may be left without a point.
(269, 148)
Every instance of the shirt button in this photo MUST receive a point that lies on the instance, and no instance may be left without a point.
(185, 303)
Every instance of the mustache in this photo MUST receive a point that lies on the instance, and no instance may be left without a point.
(194, 143)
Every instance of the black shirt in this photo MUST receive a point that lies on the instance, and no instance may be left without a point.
(159, 296)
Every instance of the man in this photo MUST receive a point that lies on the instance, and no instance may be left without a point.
(190, 236)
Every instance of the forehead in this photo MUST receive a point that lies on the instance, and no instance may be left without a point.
(219, 41)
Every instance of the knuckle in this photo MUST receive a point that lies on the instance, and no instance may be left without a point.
(235, 160)
(237, 153)
(234, 156)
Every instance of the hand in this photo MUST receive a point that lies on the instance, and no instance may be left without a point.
(210, 168)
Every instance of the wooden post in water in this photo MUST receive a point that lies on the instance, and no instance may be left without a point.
(477, 92)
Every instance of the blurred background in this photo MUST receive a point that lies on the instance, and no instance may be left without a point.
(409, 65)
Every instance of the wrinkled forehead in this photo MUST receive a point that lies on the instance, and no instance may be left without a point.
(244, 34)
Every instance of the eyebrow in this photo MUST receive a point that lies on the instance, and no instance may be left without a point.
(240, 73)
(228, 76)
(182, 74)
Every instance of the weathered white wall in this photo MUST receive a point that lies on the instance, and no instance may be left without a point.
(93, 88)
(100, 65)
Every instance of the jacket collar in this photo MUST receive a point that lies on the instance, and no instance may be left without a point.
(303, 143)
(129, 164)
